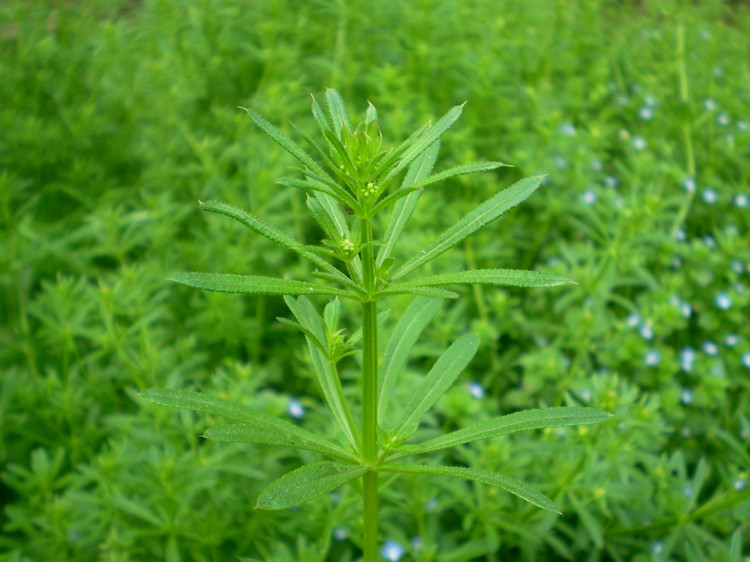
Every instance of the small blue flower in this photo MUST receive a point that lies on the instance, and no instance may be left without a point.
(710, 348)
(739, 484)
(650, 101)
(737, 267)
(742, 125)
(723, 301)
(639, 143)
(686, 433)
(392, 551)
(657, 547)
(709, 195)
(596, 165)
(688, 184)
(745, 359)
(687, 356)
(722, 119)
(586, 395)
(680, 235)
(295, 408)
(431, 504)
(476, 390)
(646, 113)
(709, 241)
(589, 197)
(686, 396)
(560, 162)
(647, 333)
(740, 201)
(416, 544)
(686, 310)
(633, 320)
(341, 533)
(652, 358)
(567, 130)
(731, 340)
(710, 104)
(611, 182)
(688, 491)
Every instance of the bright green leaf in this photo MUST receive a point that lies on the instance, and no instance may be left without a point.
(267, 430)
(307, 483)
(254, 284)
(505, 425)
(275, 431)
(512, 485)
(440, 378)
(498, 277)
(460, 171)
(404, 336)
(476, 219)
(337, 110)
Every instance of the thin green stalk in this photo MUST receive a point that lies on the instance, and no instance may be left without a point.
(369, 399)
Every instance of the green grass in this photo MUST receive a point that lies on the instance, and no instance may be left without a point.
(117, 117)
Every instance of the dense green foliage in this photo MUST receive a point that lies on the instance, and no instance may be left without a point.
(116, 117)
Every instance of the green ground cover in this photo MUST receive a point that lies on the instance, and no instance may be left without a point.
(117, 117)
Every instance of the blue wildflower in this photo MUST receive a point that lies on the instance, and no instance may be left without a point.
(392, 551)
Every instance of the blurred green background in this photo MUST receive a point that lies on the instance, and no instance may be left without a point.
(117, 116)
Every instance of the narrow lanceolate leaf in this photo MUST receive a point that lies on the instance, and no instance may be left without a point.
(460, 171)
(326, 373)
(476, 219)
(307, 483)
(338, 112)
(403, 208)
(425, 140)
(438, 380)
(264, 229)
(430, 292)
(254, 284)
(512, 485)
(498, 277)
(268, 429)
(505, 425)
(285, 142)
(404, 336)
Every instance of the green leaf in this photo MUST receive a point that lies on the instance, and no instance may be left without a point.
(338, 112)
(325, 371)
(459, 171)
(307, 483)
(430, 292)
(440, 378)
(268, 430)
(476, 219)
(404, 336)
(339, 195)
(498, 277)
(280, 431)
(424, 141)
(505, 425)
(285, 142)
(403, 208)
(588, 520)
(264, 229)
(512, 485)
(136, 510)
(254, 284)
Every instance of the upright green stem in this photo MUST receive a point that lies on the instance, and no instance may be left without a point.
(369, 398)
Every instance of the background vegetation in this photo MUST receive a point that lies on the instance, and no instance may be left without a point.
(116, 116)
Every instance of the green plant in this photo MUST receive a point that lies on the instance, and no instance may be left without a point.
(359, 184)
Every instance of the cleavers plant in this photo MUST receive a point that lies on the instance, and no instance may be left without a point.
(357, 181)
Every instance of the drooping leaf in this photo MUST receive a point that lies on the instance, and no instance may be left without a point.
(440, 378)
(505, 425)
(470, 223)
(307, 483)
(264, 229)
(498, 277)
(253, 284)
(285, 142)
(283, 432)
(404, 336)
(403, 208)
(339, 195)
(460, 171)
(325, 371)
(424, 141)
(512, 485)
(267, 430)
